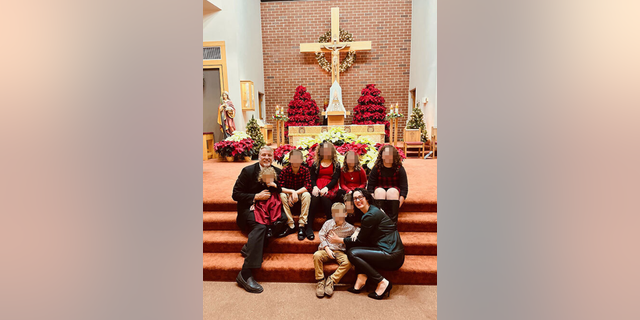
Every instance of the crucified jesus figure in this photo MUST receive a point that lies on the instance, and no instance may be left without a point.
(335, 59)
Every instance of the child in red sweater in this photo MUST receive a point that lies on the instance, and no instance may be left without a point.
(352, 175)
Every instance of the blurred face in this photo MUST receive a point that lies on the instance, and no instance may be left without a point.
(359, 200)
(338, 215)
(351, 159)
(387, 156)
(325, 152)
(265, 157)
(296, 161)
(268, 178)
(349, 206)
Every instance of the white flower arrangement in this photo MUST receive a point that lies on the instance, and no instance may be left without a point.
(306, 143)
(336, 133)
(364, 140)
(237, 136)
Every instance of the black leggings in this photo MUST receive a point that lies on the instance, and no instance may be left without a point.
(323, 204)
(367, 260)
(319, 205)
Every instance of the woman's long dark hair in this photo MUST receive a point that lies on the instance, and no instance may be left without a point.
(397, 160)
(367, 196)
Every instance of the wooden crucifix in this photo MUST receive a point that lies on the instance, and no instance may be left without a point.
(336, 46)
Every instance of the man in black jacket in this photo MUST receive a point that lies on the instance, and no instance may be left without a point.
(245, 191)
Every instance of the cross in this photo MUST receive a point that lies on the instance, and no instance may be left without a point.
(336, 46)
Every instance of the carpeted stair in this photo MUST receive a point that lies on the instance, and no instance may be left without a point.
(290, 260)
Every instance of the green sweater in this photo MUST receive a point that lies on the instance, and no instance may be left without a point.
(377, 230)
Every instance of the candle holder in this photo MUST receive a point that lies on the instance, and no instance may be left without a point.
(280, 118)
(392, 117)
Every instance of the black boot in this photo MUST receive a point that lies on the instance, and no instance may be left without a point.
(309, 232)
(382, 205)
(394, 209)
(308, 229)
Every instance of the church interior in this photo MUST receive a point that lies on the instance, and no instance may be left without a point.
(289, 75)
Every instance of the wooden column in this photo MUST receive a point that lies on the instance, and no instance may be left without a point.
(278, 133)
(282, 131)
(394, 123)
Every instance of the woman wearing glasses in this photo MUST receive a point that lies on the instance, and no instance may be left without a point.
(376, 246)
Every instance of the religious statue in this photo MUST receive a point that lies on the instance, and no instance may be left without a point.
(336, 99)
(226, 113)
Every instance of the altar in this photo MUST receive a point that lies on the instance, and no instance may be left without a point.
(375, 132)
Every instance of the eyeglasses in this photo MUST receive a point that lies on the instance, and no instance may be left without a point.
(358, 198)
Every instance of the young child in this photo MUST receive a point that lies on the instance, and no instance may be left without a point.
(328, 250)
(352, 216)
(268, 211)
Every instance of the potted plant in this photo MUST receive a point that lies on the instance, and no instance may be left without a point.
(225, 149)
(242, 149)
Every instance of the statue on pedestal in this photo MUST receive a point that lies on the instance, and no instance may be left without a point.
(336, 99)
(226, 113)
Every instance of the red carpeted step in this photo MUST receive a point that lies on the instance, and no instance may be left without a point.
(421, 270)
(415, 243)
(407, 221)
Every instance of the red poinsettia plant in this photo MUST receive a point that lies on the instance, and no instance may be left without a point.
(359, 148)
(281, 151)
(370, 108)
(236, 149)
(303, 110)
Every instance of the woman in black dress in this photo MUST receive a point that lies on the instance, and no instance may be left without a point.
(376, 246)
(388, 181)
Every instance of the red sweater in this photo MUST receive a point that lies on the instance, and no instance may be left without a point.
(352, 180)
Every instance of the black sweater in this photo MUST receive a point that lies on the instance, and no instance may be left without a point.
(372, 184)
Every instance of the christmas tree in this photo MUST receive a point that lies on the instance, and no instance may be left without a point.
(253, 130)
(370, 108)
(303, 111)
(416, 121)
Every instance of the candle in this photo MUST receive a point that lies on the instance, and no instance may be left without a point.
(396, 108)
(277, 110)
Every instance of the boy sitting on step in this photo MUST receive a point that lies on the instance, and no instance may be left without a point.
(328, 250)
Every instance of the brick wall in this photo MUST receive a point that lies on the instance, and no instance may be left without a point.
(387, 24)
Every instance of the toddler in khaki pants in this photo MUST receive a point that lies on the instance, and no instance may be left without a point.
(328, 250)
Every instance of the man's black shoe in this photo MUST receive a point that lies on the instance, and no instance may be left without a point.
(243, 251)
(301, 233)
(287, 231)
(250, 285)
